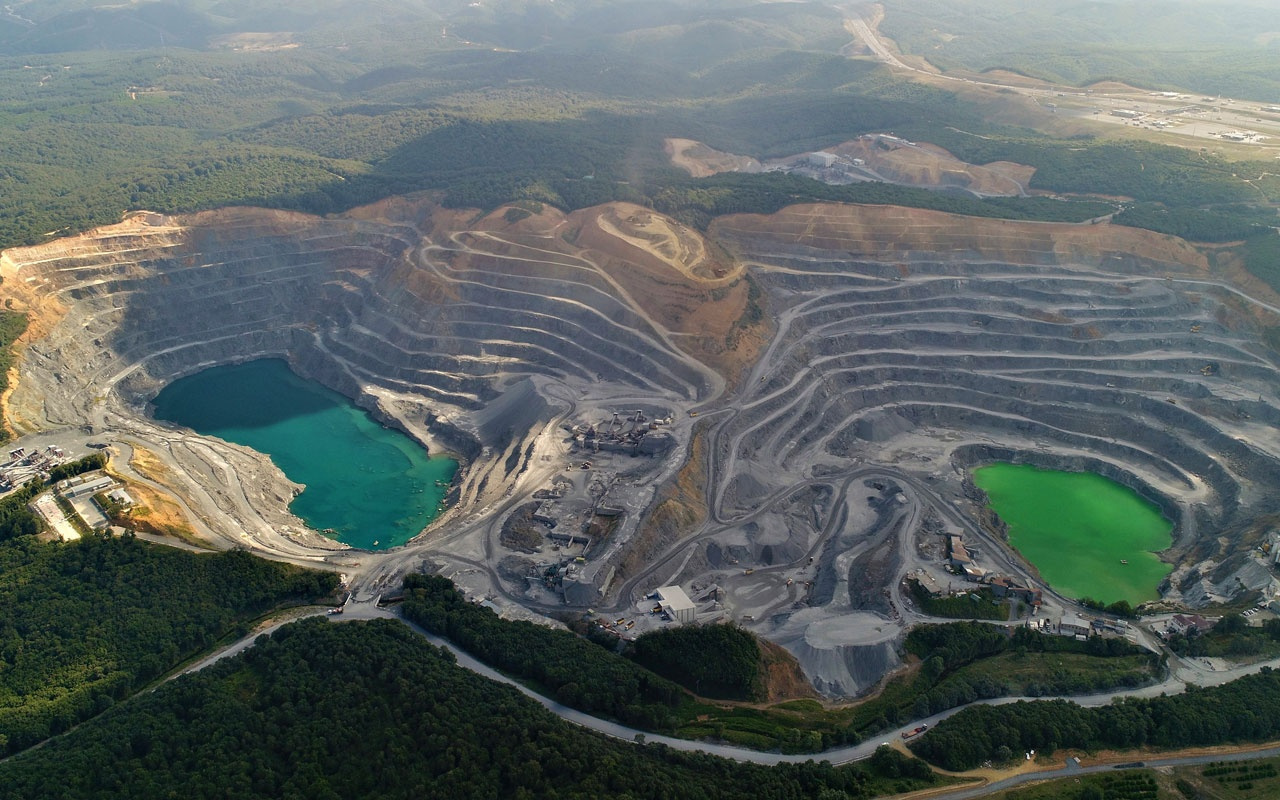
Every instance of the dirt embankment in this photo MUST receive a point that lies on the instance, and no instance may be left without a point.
(144, 235)
(682, 279)
(783, 677)
(869, 157)
(886, 230)
(402, 297)
(701, 160)
(679, 508)
(684, 283)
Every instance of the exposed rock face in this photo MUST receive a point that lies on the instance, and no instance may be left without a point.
(1079, 347)
(914, 341)
(470, 333)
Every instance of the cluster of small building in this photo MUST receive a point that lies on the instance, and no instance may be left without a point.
(1081, 627)
(1188, 625)
(963, 558)
(1161, 118)
(1007, 586)
(837, 168)
(81, 493)
(635, 434)
(1241, 136)
(670, 602)
(574, 526)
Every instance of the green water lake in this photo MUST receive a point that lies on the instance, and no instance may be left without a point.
(1078, 529)
(368, 486)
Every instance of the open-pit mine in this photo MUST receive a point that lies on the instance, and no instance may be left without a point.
(779, 415)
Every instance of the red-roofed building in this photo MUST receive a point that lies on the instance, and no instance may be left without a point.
(1189, 624)
(1005, 586)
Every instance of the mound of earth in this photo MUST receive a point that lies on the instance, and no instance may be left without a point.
(872, 157)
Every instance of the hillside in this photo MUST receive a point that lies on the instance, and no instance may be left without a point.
(441, 732)
(733, 296)
(87, 625)
(1226, 48)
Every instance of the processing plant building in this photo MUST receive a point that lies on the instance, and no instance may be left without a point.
(677, 604)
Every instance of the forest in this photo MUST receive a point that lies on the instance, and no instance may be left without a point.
(966, 661)
(324, 711)
(591, 676)
(974, 605)
(86, 624)
(574, 115)
(1231, 637)
(1156, 44)
(562, 665)
(1244, 710)
(961, 662)
(716, 661)
(12, 325)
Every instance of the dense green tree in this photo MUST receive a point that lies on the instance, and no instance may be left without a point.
(563, 665)
(1245, 710)
(323, 128)
(371, 710)
(85, 624)
(720, 661)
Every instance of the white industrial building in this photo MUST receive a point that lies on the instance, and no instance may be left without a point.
(121, 496)
(821, 159)
(677, 604)
(86, 485)
(1074, 625)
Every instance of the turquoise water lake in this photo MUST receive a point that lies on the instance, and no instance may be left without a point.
(367, 486)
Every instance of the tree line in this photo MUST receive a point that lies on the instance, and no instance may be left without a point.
(564, 666)
(85, 624)
(962, 662)
(324, 711)
(716, 661)
(1244, 710)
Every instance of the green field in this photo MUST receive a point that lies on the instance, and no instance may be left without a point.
(1079, 530)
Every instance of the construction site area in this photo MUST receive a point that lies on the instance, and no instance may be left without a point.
(569, 529)
(778, 417)
(24, 465)
(879, 157)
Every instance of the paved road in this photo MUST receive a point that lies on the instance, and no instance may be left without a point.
(369, 610)
(1069, 769)
(239, 646)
